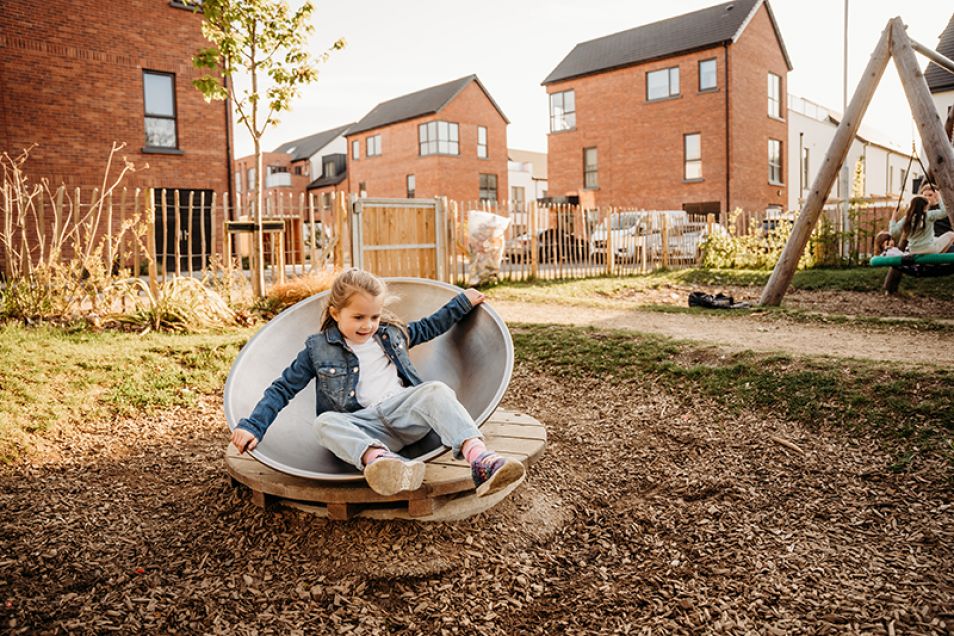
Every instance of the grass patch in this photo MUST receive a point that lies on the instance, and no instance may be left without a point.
(859, 279)
(911, 411)
(55, 376)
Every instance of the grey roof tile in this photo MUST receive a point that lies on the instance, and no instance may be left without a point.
(425, 102)
(682, 34)
(306, 147)
(940, 80)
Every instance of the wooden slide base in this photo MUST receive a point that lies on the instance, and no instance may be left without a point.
(447, 493)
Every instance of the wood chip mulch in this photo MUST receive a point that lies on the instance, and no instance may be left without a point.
(648, 514)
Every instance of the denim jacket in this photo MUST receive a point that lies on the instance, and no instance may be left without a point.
(330, 361)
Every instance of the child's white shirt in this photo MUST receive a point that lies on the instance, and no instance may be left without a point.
(378, 379)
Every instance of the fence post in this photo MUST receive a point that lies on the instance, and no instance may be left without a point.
(610, 249)
(665, 241)
(151, 239)
(340, 209)
(135, 243)
(532, 229)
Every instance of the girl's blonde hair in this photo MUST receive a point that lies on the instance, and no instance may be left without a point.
(355, 281)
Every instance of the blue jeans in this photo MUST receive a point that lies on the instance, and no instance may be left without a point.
(397, 422)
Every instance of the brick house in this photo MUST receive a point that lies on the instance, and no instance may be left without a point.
(686, 113)
(315, 164)
(76, 76)
(445, 141)
(939, 80)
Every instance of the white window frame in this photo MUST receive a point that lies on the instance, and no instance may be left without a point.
(411, 186)
(692, 170)
(774, 95)
(775, 162)
(355, 150)
(482, 142)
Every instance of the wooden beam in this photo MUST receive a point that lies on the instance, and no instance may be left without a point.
(837, 153)
(938, 149)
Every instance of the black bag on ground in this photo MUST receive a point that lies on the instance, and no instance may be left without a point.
(719, 301)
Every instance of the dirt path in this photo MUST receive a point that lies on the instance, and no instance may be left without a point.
(750, 331)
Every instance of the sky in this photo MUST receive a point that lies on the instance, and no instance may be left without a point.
(396, 48)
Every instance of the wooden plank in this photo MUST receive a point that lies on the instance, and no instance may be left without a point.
(420, 507)
(343, 511)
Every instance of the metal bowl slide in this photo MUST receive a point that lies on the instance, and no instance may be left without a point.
(475, 358)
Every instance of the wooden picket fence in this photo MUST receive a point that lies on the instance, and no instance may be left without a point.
(160, 234)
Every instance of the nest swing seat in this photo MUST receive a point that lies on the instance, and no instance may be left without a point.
(289, 466)
(918, 265)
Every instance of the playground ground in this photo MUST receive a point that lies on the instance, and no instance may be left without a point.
(649, 513)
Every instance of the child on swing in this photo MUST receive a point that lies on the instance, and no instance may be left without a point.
(917, 226)
(370, 400)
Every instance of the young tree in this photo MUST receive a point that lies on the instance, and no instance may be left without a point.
(267, 40)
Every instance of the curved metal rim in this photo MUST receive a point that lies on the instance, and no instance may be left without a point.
(272, 463)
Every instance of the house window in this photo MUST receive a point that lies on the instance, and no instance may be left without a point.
(775, 161)
(410, 186)
(708, 75)
(373, 148)
(482, 142)
(774, 95)
(355, 150)
(693, 153)
(252, 183)
(438, 138)
(238, 181)
(517, 196)
(160, 109)
(562, 111)
(590, 182)
(806, 175)
(362, 189)
(663, 83)
(488, 187)
(328, 169)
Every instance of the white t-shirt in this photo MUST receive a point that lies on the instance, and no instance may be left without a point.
(378, 379)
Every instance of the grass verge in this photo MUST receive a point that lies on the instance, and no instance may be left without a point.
(53, 376)
(910, 411)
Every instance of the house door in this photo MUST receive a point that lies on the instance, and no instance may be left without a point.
(183, 229)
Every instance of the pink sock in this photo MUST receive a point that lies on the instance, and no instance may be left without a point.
(373, 454)
(474, 448)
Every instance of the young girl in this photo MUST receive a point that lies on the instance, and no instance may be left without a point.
(918, 226)
(370, 400)
(884, 245)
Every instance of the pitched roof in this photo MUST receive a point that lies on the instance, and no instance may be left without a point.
(940, 80)
(306, 147)
(695, 31)
(426, 102)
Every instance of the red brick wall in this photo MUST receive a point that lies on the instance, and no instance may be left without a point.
(455, 177)
(640, 144)
(753, 56)
(71, 81)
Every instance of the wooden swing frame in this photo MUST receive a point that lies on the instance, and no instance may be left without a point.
(894, 44)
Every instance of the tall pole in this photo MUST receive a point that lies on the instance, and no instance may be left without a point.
(845, 188)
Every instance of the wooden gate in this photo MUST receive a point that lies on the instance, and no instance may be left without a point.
(400, 237)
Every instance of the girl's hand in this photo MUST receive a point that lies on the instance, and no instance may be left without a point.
(243, 440)
(474, 296)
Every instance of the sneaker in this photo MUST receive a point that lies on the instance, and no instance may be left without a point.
(390, 474)
(492, 473)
